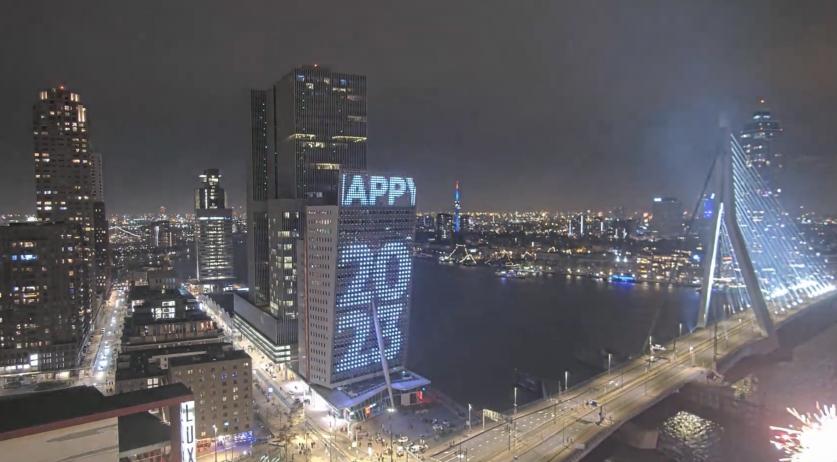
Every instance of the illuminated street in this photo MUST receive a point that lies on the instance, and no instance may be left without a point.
(105, 342)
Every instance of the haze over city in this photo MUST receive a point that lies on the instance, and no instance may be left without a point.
(477, 231)
(540, 105)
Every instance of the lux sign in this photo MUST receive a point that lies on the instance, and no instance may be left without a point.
(369, 190)
(187, 431)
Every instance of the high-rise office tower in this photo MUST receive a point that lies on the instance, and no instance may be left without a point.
(759, 141)
(69, 183)
(444, 227)
(457, 209)
(307, 126)
(667, 221)
(43, 296)
(159, 235)
(213, 232)
(355, 296)
(577, 226)
(101, 238)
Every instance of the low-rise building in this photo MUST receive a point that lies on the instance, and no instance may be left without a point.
(219, 376)
(80, 423)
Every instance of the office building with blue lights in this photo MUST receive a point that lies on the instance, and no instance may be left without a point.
(354, 296)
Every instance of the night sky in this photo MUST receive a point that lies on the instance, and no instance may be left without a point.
(531, 104)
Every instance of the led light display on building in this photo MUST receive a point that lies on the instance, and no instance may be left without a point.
(382, 278)
(187, 431)
(364, 190)
(374, 267)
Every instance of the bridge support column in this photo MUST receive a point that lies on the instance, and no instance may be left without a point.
(725, 212)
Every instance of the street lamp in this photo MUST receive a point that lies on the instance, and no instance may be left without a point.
(609, 362)
(215, 429)
(469, 416)
(226, 432)
(566, 380)
(390, 411)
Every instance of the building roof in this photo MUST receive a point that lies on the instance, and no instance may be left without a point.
(50, 410)
(139, 361)
(141, 430)
(347, 397)
(225, 301)
(213, 355)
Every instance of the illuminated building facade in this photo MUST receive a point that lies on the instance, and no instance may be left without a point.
(356, 289)
(68, 176)
(159, 235)
(213, 232)
(444, 227)
(43, 290)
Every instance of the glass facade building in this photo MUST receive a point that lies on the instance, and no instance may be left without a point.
(213, 232)
(305, 128)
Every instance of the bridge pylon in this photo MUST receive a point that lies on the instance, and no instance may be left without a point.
(725, 225)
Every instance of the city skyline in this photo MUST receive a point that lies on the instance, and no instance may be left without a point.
(620, 133)
(524, 231)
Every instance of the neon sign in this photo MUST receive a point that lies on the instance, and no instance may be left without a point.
(365, 190)
(381, 277)
(187, 431)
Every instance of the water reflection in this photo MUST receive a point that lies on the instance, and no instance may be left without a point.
(689, 438)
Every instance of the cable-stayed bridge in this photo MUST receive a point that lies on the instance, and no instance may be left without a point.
(759, 272)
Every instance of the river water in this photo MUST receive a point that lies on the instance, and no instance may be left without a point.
(470, 330)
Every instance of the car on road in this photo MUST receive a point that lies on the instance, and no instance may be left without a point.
(417, 448)
(403, 439)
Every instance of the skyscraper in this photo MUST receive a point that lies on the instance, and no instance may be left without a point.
(213, 232)
(667, 220)
(43, 294)
(307, 126)
(68, 181)
(758, 140)
(355, 294)
(444, 227)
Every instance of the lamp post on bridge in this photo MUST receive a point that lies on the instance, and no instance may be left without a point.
(679, 334)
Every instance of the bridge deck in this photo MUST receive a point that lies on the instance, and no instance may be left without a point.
(566, 429)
